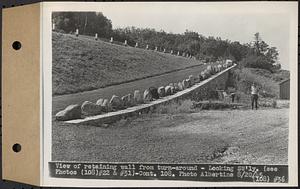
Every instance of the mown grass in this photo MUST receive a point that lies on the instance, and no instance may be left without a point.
(81, 64)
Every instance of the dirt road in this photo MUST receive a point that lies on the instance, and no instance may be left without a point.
(229, 136)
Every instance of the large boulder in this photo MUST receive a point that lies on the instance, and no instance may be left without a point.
(219, 67)
(168, 90)
(100, 101)
(116, 102)
(214, 70)
(192, 80)
(225, 65)
(89, 108)
(229, 62)
(209, 69)
(154, 92)
(127, 100)
(203, 75)
(172, 90)
(131, 100)
(197, 79)
(171, 84)
(185, 84)
(207, 73)
(105, 106)
(69, 113)
(147, 96)
(176, 87)
(161, 91)
(137, 97)
(180, 86)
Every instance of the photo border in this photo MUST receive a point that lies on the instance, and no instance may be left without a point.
(46, 76)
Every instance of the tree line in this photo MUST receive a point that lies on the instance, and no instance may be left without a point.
(256, 54)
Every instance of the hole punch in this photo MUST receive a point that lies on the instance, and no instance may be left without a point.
(16, 45)
(16, 147)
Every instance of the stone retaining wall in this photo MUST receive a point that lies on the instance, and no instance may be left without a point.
(199, 91)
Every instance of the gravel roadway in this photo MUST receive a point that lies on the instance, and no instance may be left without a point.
(212, 136)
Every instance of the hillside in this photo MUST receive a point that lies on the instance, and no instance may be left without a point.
(81, 63)
(267, 81)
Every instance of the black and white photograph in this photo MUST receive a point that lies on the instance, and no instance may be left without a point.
(172, 84)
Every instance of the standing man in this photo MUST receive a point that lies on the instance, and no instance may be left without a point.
(254, 95)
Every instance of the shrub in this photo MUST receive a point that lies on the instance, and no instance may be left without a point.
(267, 102)
(274, 103)
(242, 79)
(253, 61)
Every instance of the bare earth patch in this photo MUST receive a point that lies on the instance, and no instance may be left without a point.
(213, 136)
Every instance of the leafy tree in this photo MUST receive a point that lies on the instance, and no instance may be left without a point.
(256, 54)
(237, 50)
(254, 61)
(88, 23)
(260, 55)
(272, 54)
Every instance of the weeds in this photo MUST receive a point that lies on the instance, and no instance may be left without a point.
(274, 103)
(242, 79)
(185, 106)
(267, 102)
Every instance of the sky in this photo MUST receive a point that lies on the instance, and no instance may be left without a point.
(232, 21)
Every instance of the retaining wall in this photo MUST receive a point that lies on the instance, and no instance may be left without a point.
(199, 91)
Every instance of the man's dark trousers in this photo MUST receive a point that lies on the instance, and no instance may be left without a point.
(254, 98)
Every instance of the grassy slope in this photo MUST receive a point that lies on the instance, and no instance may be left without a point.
(81, 64)
(243, 78)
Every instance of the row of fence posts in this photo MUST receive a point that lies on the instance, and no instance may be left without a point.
(187, 55)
